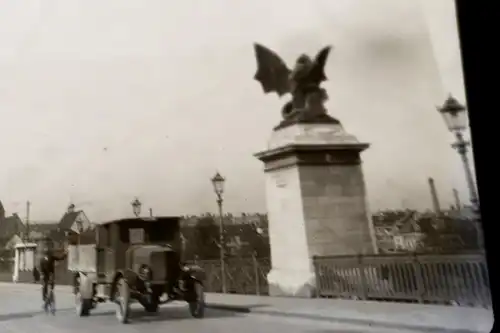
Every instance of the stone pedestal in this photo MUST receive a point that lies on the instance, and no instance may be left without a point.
(316, 202)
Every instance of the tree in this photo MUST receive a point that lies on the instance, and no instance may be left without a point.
(205, 238)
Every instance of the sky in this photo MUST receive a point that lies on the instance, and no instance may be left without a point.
(103, 101)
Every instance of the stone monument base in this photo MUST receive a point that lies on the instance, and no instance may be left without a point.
(316, 202)
(286, 282)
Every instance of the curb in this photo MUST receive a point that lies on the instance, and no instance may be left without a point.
(363, 322)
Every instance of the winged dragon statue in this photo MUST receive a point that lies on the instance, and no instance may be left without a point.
(303, 82)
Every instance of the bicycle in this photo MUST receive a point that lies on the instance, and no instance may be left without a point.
(49, 303)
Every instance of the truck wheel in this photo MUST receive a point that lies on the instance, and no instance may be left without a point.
(122, 299)
(152, 308)
(197, 304)
(83, 306)
(153, 305)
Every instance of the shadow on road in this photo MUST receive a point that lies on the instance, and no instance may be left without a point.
(235, 308)
(167, 314)
(337, 331)
(25, 315)
(213, 310)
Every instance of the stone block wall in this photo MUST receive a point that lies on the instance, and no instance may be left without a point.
(334, 206)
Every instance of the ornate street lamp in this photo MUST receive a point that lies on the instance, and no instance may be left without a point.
(455, 118)
(218, 184)
(454, 115)
(136, 207)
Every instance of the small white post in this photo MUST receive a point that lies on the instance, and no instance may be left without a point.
(15, 274)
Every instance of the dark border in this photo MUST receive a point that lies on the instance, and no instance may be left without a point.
(478, 36)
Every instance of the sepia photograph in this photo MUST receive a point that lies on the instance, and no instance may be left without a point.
(223, 165)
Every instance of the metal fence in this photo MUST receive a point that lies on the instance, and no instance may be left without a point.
(443, 279)
(243, 275)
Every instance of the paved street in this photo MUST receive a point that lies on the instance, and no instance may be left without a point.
(20, 312)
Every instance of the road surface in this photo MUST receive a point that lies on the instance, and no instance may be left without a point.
(20, 312)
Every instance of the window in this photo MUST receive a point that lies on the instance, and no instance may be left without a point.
(136, 235)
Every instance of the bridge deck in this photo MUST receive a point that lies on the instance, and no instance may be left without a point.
(386, 316)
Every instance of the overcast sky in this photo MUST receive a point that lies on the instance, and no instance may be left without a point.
(101, 101)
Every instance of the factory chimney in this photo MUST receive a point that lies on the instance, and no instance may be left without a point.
(434, 196)
(458, 204)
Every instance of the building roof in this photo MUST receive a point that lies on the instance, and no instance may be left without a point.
(409, 223)
(68, 220)
(12, 242)
(10, 226)
(160, 219)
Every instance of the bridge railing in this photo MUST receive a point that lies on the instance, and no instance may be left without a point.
(443, 279)
(243, 275)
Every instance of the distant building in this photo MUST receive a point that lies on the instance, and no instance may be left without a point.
(408, 236)
(412, 231)
(464, 213)
(9, 226)
(12, 242)
(74, 221)
(388, 226)
(409, 242)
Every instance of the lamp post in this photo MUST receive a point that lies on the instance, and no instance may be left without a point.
(79, 225)
(455, 118)
(136, 207)
(218, 183)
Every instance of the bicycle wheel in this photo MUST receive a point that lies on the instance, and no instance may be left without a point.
(46, 304)
(52, 303)
(49, 305)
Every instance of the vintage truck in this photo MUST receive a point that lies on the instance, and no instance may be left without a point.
(134, 260)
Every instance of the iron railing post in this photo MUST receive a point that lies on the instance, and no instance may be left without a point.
(419, 278)
(317, 276)
(362, 276)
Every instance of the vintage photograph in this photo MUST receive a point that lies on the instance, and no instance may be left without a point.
(226, 165)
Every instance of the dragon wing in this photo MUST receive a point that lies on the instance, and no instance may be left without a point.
(317, 74)
(272, 72)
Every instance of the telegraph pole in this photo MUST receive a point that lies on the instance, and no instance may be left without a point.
(28, 204)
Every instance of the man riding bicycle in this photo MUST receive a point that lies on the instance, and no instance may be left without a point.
(47, 269)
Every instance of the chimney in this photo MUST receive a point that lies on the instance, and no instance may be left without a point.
(434, 196)
(458, 204)
(71, 208)
(2, 212)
